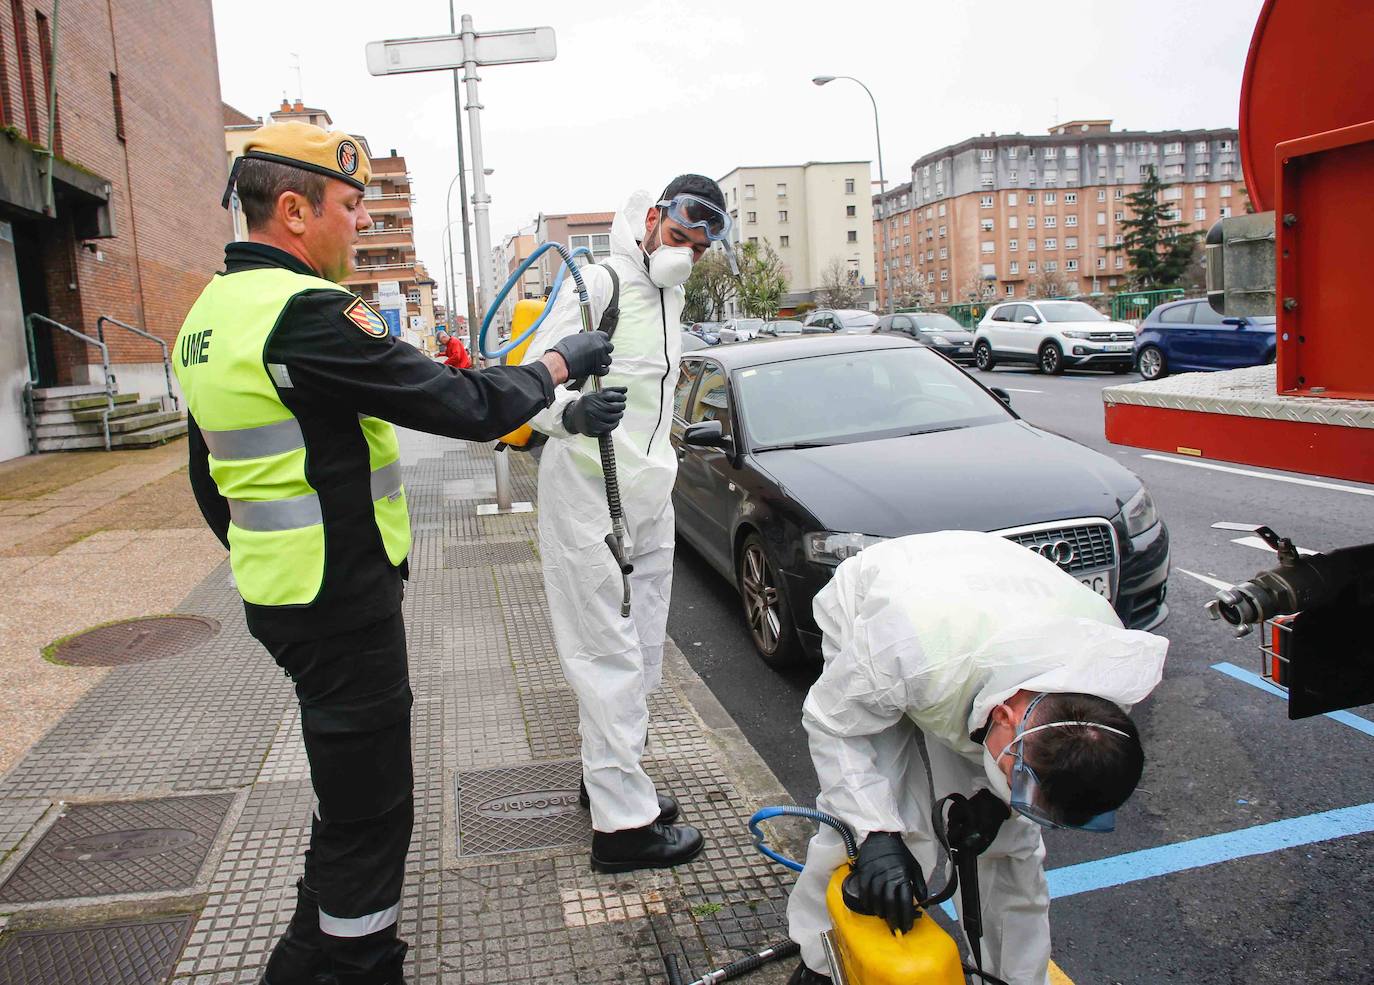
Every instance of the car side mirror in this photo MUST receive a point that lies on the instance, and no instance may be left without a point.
(1031, 320)
(707, 434)
(1001, 394)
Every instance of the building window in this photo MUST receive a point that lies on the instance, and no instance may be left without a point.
(849, 210)
(1175, 147)
(1121, 172)
(906, 218)
(944, 275)
(782, 190)
(1119, 216)
(1119, 263)
(1224, 191)
(906, 240)
(1199, 191)
(1051, 198)
(1051, 174)
(1119, 239)
(989, 270)
(1012, 198)
(1102, 194)
(849, 186)
(1011, 290)
(782, 215)
(987, 225)
(1101, 240)
(751, 217)
(1071, 198)
(1225, 145)
(853, 236)
(1224, 212)
(118, 106)
(987, 246)
(944, 297)
(1101, 263)
(944, 253)
(1101, 218)
(943, 230)
(1051, 221)
(941, 213)
(1011, 153)
(1120, 149)
(1200, 171)
(1011, 177)
(1030, 198)
(1030, 222)
(1071, 153)
(1071, 219)
(748, 191)
(1070, 264)
(1173, 194)
(1051, 266)
(754, 240)
(985, 202)
(987, 181)
(1015, 267)
(1030, 245)
(1051, 153)
(1199, 215)
(1119, 194)
(930, 277)
(1013, 221)
(1070, 242)
(1200, 147)
(784, 240)
(1111, 282)
(986, 154)
(601, 244)
(1032, 266)
(1051, 243)
(1173, 170)
(1012, 245)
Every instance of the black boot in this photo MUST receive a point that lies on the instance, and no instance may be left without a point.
(298, 958)
(654, 846)
(667, 806)
(805, 976)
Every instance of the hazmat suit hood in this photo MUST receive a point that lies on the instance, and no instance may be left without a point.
(627, 229)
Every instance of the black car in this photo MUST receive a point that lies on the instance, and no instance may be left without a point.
(794, 454)
(939, 331)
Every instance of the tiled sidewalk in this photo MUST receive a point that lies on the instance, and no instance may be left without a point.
(498, 890)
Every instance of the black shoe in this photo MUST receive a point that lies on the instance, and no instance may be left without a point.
(654, 846)
(805, 976)
(667, 806)
(298, 957)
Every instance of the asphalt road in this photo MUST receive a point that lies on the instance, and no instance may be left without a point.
(1222, 755)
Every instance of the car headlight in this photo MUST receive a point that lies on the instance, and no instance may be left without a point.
(1139, 512)
(830, 547)
(1077, 335)
(939, 340)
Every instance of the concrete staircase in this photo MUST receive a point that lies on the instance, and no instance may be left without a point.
(68, 419)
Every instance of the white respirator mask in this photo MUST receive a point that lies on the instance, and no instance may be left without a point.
(668, 266)
(997, 780)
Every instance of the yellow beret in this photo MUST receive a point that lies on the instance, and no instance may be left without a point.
(303, 145)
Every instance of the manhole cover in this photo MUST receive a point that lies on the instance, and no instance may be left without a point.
(132, 641)
(130, 953)
(479, 555)
(130, 846)
(521, 808)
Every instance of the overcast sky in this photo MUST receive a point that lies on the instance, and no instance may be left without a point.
(640, 91)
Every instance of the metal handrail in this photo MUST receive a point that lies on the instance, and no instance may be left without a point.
(29, 319)
(166, 355)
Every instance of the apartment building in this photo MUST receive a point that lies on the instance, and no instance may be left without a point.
(812, 214)
(1008, 215)
(573, 229)
(386, 260)
(133, 228)
(512, 251)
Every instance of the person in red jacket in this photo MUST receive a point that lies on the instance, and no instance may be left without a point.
(453, 352)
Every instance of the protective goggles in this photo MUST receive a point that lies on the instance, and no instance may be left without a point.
(693, 212)
(1027, 798)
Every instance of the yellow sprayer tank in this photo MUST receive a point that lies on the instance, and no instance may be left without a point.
(526, 312)
(873, 955)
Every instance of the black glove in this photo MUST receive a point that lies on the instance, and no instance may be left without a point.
(889, 879)
(595, 413)
(586, 353)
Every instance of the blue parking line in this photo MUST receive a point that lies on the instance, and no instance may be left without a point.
(1210, 850)
(1255, 680)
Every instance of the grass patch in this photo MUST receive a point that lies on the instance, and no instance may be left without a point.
(707, 909)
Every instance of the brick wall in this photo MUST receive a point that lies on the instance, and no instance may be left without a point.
(166, 176)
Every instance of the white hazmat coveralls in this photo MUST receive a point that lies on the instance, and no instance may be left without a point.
(925, 635)
(613, 663)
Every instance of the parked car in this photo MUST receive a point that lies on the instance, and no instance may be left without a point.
(1053, 335)
(1184, 336)
(776, 487)
(939, 331)
(741, 329)
(692, 342)
(707, 330)
(841, 320)
(783, 327)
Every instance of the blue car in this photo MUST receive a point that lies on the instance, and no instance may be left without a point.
(1185, 336)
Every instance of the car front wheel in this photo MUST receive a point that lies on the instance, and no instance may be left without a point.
(1051, 359)
(1152, 365)
(766, 611)
(982, 356)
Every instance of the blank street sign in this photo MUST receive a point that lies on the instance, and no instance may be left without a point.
(445, 51)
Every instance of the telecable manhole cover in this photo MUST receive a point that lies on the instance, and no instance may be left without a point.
(479, 555)
(521, 808)
(129, 846)
(129, 953)
(132, 641)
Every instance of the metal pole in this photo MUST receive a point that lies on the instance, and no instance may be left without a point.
(882, 195)
(474, 317)
(480, 201)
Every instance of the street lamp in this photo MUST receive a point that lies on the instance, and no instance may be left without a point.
(452, 274)
(885, 278)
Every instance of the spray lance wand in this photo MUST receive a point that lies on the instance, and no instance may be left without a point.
(615, 540)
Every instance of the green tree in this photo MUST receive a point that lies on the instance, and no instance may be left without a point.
(709, 289)
(762, 279)
(1158, 246)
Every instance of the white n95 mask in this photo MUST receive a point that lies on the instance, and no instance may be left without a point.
(670, 266)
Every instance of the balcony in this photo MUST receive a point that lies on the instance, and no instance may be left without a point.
(388, 204)
(379, 239)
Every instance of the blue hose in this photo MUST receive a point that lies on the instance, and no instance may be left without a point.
(514, 279)
(851, 846)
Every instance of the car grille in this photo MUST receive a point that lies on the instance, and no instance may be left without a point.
(1112, 336)
(1092, 543)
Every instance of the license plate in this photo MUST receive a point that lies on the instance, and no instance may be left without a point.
(965, 348)
(1099, 581)
(1119, 347)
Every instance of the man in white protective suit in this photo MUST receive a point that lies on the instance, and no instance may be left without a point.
(1015, 678)
(612, 662)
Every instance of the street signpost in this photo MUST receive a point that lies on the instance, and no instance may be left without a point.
(468, 50)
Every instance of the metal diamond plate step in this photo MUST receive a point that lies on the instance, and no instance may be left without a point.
(130, 846)
(521, 808)
(126, 953)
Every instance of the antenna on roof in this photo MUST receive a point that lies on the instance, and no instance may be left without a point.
(300, 90)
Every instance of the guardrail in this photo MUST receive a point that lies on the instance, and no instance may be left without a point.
(171, 400)
(33, 374)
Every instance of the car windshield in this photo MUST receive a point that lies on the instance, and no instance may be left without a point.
(859, 396)
(857, 319)
(1070, 311)
(937, 323)
(748, 324)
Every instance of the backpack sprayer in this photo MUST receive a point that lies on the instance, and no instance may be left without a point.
(615, 540)
(860, 948)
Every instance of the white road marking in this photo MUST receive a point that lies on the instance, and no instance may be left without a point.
(1216, 583)
(1261, 545)
(1263, 475)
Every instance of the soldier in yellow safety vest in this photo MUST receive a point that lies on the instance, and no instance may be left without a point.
(293, 384)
